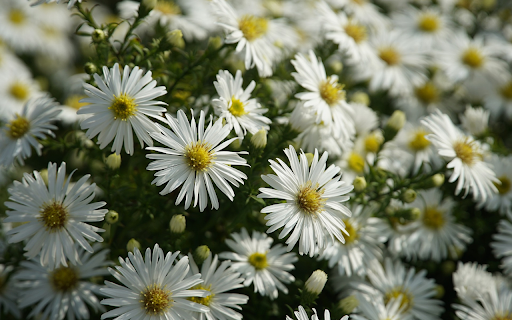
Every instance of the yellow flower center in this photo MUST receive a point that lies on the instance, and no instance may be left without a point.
(64, 279)
(253, 27)
(356, 162)
(237, 107)
(258, 260)
(19, 91)
(168, 7)
(473, 58)
(18, 127)
(331, 91)
(309, 200)
(502, 316)
(433, 218)
(123, 107)
(156, 300)
(206, 300)
(352, 231)
(356, 32)
(16, 16)
(372, 143)
(407, 299)
(419, 142)
(389, 55)
(467, 151)
(74, 101)
(198, 156)
(428, 22)
(505, 185)
(506, 91)
(54, 216)
(427, 93)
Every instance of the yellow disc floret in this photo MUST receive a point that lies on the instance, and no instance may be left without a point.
(237, 107)
(123, 107)
(309, 200)
(427, 93)
(206, 300)
(352, 232)
(433, 218)
(356, 162)
(54, 216)
(198, 156)
(372, 143)
(389, 55)
(506, 91)
(156, 300)
(428, 22)
(258, 260)
(19, 91)
(467, 151)
(253, 27)
(331, 91)
(356, 32)
(167, 7)
(17, 17)
(502, 316)
(18, 127)
(74, 101)
(473, 58)
(418, 141)
(64, 279)
(504, 186)
(397, 293)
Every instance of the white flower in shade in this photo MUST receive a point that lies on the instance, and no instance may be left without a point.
(121, 105)
(21, 132)
(19, 27)
(471, 279)
(302, 315)
(325, 96)
(475, 120)
(494, 304)
(365, 119)
(364, 11)
(63, 292)
(250, 33)
(54, 216)
(393, 281)
(501, 201)
(499, 100)
(502, 244)
(153, 287)
(464, 155)
(313, 211)
(193, 157)
(259, 263)
(8, 293)
(16, 90)
(234, 104)
(218, 280)
(374, 308)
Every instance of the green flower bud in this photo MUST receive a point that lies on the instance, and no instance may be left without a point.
(44, 175)
(146, 7)
(132, 244)
(359, 184)
(90, 68)
(112, 217)
(178, 223)
(175, 39)
(361, 97)
(201, 254)
(310, 157)
(259, 139)
(348, 304)
(98, 35)
(408, 196)
(395, 123)
(113, 161)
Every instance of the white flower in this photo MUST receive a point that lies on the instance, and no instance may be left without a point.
(259, 263)
(501, 201)
(475, 120)
(234, 104)
(194, 158)
(471, 279)
(16, 90)
(18, 26)
(494, 304)
(374, 308)
(364, 11)
(20, 133)
(464, 155)
(120, 105)
(313, 211)
(499, 100)
(8, 292)
(218, 280)
(302, 315)
(502, 244)
(63, 292)
(55, 216)
(153, 287)
(71, 3)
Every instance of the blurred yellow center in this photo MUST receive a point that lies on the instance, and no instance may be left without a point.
(505, 185)
(198, 156)
(206, 300)
(397, 293)
(331, 91)
(253, 27)
(502, 316)
(156, 300)
(352, 232)
(168, 7)
(473, 58)
(428, 22)
(309, 200)
(389, 55)
(466, 151)
(123, 107)
(54, 216)
(433, 218)
(427, 93)
(258, 260)
(237, 107)
(74, 101)
(356, 32)
(506, 91)
(16, 16)
(418, 141)
(64, 279)
(372, 143)
(356, 162)
(19, 91)
(18, 127)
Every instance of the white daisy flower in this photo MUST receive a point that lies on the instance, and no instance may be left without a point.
(234, 104)
(475, 120)
(8, 293)
(64, 292)
(501, 201)
(259, 263)
(70, 3)
(472, 279)
(313, 211)
(19, 134)
(374, 308)
(353, 162)
(494, 304)
(499, 100)
(54, 216)
(18, 26)
(194, 158)
(153, 287)
(365, 119)
(502, 244)
(218, 280)
(325, 96)
(17, 90)
(464, 155)
(364, 11)
(120, 105)
(302, 315)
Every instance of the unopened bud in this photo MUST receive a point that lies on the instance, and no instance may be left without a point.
(113, 161)
(348, 304)
(310, 157)
(336, 66)
(236, 144)
(111, 217)
(395, 123)
(437, 180)
(414, 214)
(44, 175)
(178, 223)
(90, 68)
(408, 196)
(98, 35)
(316, 282)
(215, 42)
(175, 38)
(201, 254)
(132, 244)
(259, 139)
(146, 7)
(373, 141)
(361, 97)
(439, 291)
(359, 184)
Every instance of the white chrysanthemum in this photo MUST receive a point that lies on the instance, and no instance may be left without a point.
(490, 305)
(193, 157)
(18, 26)
(464, 155)
(54, 216)
(353, 162)
(20, 133)
(501, 201)
(365, 119)
(362, 245)
(16, 90)
(63, 292)
(71, 3)
(8, 293)
(234, 104)
(259, 263)
(313, 211)
(302, 315)
(364, 11)
(471, 279)
(374, 308)
(153, 287)
(120, 105)
(475, 120)
(502, 244)
(325, 96)
(218, 280)
(250, 33)
(394, 281)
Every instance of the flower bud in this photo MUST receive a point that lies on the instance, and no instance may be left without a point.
(146, 7)
(439, 291)
(90, 68)
(437, 180)
(44, 175)
(175, 39)
(395, 123)
(132, 244)
(113, 161)
(236, 144)
(259, 139)
(201, 254)
(348, 304)
(361, 97)
(336, 66)
(111, 217)
(359, 184)
(316, 282)
(214, 42)
(178, 223)
(408, 196)
(310, 157)
(98, 35)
